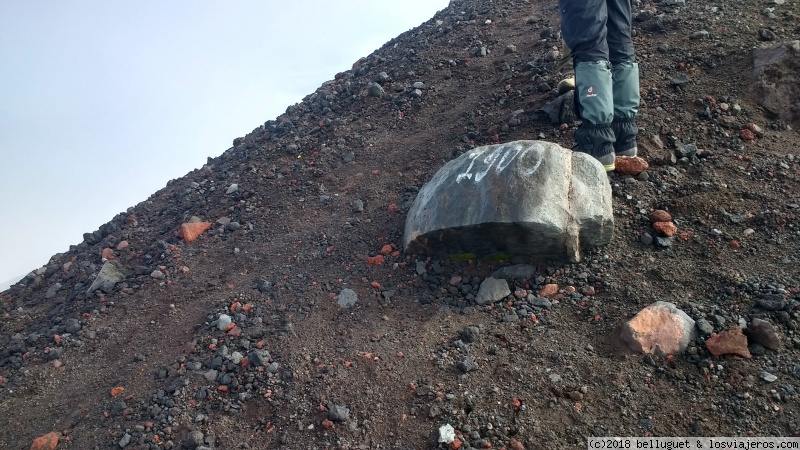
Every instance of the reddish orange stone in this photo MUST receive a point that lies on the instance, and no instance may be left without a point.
(628, 165)
(668, 229)
(117, 390)
(549, 290)
(190, 231)
(375, 260)
(516, 445)
(660, 215)
(47, 442)
(731, 342)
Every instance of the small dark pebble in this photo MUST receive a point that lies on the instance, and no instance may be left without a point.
(338, 413)
(467, 364)
(756, 349)
(664, 242)
(774, 302)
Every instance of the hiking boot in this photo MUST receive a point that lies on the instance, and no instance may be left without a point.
(629, 152)
(566, 85)
(607, 161)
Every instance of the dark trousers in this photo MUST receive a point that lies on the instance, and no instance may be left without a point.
(598, 34)
(597, 30)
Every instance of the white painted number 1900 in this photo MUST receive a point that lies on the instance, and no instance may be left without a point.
(483, 161)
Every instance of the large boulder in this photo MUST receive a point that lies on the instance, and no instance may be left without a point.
(524, 198)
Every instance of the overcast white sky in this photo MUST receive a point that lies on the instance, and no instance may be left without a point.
(102, 102)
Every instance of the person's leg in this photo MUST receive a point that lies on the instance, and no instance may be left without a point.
(566, 68)
(583, 27)
(626, 77)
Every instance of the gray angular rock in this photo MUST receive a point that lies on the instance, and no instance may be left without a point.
(223, 321)
(376, 90)
(72, 326)
(112, 273)
(765, 34)
(262, 285)
(492, 290)
(680, 81)
(771, 302)
(517, 271)
(470, 334)
(210, 375)
(382, 77)
(756, 349)
(685, 150)
(541, 302)
(338, 413)
(764, 333)
(158, 275)
(447, 434)
(510, 318)
(664, 242)
(53, 290)
(705, 327)
(528, 198)
(346, 298)
(194, 439)
(768, 377)
(561, 109)
(259, 358)
(467, 364)
(125, 440)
